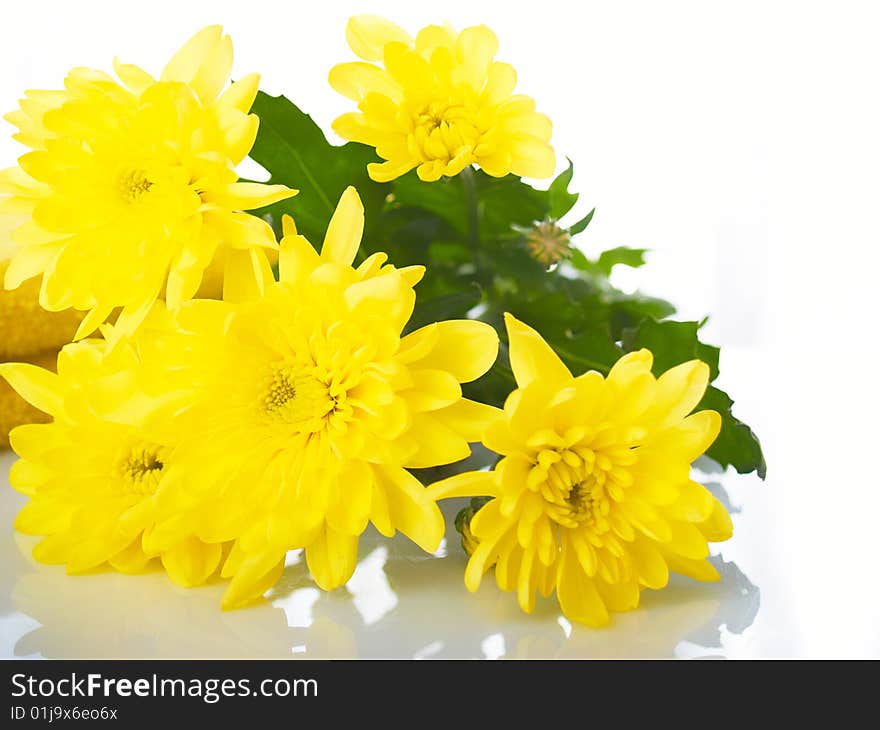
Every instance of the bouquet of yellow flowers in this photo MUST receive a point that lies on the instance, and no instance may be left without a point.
(250, 368)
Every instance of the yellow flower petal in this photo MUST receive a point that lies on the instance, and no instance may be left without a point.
(207, 48)
(578, 597)
(387, 171)
(527, 580)
(411, 508)
(630, 366)
(468, 418)
(467, 484)
(475, 48)
(241, 94)
(619, 596)
(355, 80)
(332, 558)
(432, 390)
(697, 569)
(343, 237)
(368, 34)
(679, 390)
(691, 436)
(131, 560)
(437, 444)
(652, 569)
(531, 358)
(246, 276)
(248, 195)
(718, 527)
(352, 509)
(256, 574)
(191, 562)
(488, 549)
(465, 348)
(134, 77)
(37, 386)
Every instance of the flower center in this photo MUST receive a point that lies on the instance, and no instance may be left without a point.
(282, 390)
(575, 484)
(141, 469)
(295, 395)
(580, 501)
(444, 132)
(133, 184)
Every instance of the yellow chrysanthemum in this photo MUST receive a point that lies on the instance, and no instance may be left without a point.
(307, 406)
(593, 496)
(92, 478)
(439, 103)
(130, 188)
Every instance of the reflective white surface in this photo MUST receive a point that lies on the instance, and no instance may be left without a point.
(404, 603)
(796, 578)
(399, 603)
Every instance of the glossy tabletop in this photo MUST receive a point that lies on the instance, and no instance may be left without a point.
(796, 579)
(399, 603)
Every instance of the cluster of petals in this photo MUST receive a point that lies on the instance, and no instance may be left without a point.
(214, 435)
(129, 191)
(438, 103)
(593, 496)
(228, 433)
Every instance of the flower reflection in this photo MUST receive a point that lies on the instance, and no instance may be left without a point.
(108, 614)
(400, 602)
(434, 615)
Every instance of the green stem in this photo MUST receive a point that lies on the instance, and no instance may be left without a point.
(592, 364)
(469, 183)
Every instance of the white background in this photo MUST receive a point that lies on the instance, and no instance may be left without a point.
(740, 142)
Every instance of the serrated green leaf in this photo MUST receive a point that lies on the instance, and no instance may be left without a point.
(632, 257)
(295, 152)
(621, 255)
(672, 344)
(736, 445)
(504, 203)
(444, 198)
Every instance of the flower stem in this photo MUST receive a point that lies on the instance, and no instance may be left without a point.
(592, 364)
(469, 183)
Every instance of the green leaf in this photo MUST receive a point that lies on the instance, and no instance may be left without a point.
(561, 201)
(451, 306)
(672, 344)
(504, 203)
(736, 445)
(444, 198)
(579, 260)
(507, 202)
(294, 150)
(582, 224)
(633, 257)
